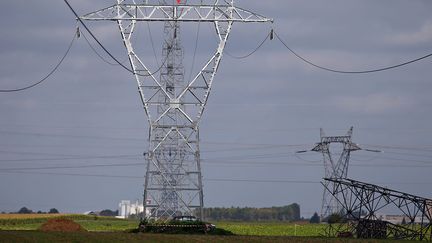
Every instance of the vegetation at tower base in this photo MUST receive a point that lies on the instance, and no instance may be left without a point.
(175, 226)
(285, 213)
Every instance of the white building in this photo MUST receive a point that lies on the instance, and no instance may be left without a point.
(126, 209)
(398, 219)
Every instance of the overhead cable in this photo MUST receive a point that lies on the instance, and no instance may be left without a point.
(97, 53)
(72, 167)
(106, 50)
(195, 50)
(344, 71)
(76, 34)
(209, 179)
(268, 36)
(140, 177)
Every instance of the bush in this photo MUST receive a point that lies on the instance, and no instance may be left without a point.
(25, 210)
(53, 211)
(315, 219)
(334, 218)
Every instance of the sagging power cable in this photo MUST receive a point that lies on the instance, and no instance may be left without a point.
(344, 71)
(106, 50)
(269, 36)
(97, 53)
(76, 35)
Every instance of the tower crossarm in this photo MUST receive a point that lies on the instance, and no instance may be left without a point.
(338, 139)
(182, 13)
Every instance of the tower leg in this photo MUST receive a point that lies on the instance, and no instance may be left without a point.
(173, 184)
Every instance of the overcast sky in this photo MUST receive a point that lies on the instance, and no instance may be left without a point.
(261, 110)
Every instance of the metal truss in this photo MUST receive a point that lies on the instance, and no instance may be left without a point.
(225, 12)
(334, 168)
(174, 106)
(361, 203)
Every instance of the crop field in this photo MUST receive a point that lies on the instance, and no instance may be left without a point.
(38, 236)
(272, 228)
(24, 228)
(90, 223)
(29, 216)
(108, 224)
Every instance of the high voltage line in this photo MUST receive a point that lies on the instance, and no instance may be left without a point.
(213, 162)
(350, 72)
(268, 37)
(272, 155)
(282, 181)
(49, 74)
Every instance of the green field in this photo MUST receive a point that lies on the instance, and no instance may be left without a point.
(107, 224)
(90, 223)
(105, 229)
(272, 228)
(37, 236)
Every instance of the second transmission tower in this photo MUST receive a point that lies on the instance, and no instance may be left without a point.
(336, 169)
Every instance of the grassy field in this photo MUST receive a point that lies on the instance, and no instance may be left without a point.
(29, 216)
(90, 223)
(23, 228)
(272, 228)
(107, 224)
(37, 236)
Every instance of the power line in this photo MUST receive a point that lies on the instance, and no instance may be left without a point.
(264, 181)
(348, 72)
(115, 64)
(195, 50)
(269, 36)
(72, 158)
(107, 51)
(208, 179)
(395, 147)
(211, 162)
(94, 37)
(72, 174)
(140, 177)
(310, 164)
(72, 167)
(49, 74)
(97, 53)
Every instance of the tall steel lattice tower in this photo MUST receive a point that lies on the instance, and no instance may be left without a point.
(174, 106)
(335, 169)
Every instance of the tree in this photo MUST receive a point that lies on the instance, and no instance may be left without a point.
(53, 211)
(334, 218)
(315, 219)
(24, 210)
(108, 213)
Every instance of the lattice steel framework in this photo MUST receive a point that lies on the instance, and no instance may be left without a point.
(333, 168)
(174, 106)
(361, 203)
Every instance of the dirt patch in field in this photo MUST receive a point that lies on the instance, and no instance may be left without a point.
(61, 225)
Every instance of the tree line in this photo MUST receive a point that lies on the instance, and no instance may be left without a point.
(25, 210)
(284, 213)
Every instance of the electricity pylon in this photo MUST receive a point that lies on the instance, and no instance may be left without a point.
(174, 106)
(334, 169)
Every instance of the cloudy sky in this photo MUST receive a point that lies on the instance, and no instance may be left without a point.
(261, 111)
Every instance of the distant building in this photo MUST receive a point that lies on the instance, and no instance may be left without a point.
(398, 219)
(90, 213)
(126, 209)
